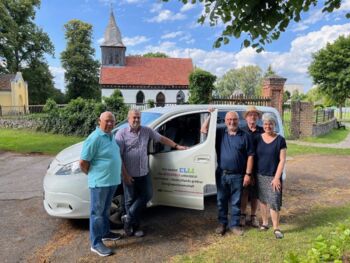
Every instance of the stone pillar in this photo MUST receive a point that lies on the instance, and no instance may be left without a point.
(302, 114)
(273, 88)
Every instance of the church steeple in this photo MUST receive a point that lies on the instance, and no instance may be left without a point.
(112, 47)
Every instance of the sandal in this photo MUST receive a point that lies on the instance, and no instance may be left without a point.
(278, 234)
(254, 221)
(264, 227)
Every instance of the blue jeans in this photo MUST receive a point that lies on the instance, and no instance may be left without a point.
(229, 189)
(100, 204)
(136, 197)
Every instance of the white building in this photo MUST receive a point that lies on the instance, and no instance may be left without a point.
(163, 80)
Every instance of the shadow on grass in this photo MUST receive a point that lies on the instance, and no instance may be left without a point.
(318, 217)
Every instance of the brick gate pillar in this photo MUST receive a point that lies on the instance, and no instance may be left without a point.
(273, 88)
(301, 119)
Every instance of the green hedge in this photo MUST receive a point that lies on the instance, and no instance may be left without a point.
(80, 116)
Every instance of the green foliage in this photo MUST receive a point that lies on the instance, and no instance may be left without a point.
(80, 116)
(150, 103)
(155, 55)
(296, 96)
(330, 70)
(21, 40)
(257, 22)
(115, 104)
(40, 83)
(82, 70)
(246, 79)
(269, 72)
(201, 86)
(286, 96)
(325, 249)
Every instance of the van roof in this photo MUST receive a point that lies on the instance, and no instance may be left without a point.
(187, 107)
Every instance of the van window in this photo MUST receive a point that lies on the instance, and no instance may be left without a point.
(146, 118)
(242, 122)
(183, 130)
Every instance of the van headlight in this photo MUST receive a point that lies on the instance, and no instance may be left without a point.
(69, 169)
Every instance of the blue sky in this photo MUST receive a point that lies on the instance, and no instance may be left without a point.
(154, 26)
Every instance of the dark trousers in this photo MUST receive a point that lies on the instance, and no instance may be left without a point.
(136, 197)
(229, 189)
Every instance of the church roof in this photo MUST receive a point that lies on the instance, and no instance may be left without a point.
(149, 71)
(112, 35)
(5, 81)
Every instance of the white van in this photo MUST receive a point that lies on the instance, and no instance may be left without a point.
(180, 178)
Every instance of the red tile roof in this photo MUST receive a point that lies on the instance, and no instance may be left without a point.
(5, 81)
(148, 71)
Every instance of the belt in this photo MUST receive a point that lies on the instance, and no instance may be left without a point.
(226, 172)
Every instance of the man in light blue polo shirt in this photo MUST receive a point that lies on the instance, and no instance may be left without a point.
(101, 161)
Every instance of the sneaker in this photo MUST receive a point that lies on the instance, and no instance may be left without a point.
(102, 250)
(112, 237)
(254, 221)
(221, 229)
(278, 234)
(237, 231)
(242, 220)
(139, 233)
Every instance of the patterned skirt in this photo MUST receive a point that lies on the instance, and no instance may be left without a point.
(266, 194)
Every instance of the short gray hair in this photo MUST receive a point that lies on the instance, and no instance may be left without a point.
(269, 117)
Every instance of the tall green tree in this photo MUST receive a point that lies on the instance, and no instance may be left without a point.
(21, 40)
(82, 70)
(40, 83)
(246, 79)
(201, 86)
(330, 70)
(259, 22)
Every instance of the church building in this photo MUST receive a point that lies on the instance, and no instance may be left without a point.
(140, 79)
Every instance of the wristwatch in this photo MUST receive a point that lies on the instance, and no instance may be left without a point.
(249, 174)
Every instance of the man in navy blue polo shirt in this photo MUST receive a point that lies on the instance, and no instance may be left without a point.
(235, 153)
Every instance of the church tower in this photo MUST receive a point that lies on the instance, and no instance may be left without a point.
(112, 48)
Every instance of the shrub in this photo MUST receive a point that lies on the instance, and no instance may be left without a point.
(331, 249)
(201, 86)
(80, 116)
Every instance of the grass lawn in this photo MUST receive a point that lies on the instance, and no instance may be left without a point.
(294, 149)
(25, 141)
(333, 137)
(255, 246)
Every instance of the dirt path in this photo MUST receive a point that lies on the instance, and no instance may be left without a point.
(311, 181)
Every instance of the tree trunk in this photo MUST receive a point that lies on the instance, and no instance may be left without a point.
(340, 112)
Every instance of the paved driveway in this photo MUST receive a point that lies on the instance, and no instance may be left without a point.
(28, 234)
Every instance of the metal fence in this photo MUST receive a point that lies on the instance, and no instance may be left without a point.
(242, 99)
(323, 115)
(345, 113)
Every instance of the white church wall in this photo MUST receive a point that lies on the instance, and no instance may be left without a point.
(129, 95)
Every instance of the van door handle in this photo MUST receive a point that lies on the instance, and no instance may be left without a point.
(202, 159)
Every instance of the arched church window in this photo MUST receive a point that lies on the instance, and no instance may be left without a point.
(180, 97)
(140, 97)
(160, 100)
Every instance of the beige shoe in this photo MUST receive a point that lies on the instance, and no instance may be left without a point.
(254, 221)
(237, 231)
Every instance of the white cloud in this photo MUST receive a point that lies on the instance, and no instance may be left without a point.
(172, 35)
(58, 77)
(292, 64)
(166, 15)
(156, 7)
(133, 41)
(129, 41)
(187, 7)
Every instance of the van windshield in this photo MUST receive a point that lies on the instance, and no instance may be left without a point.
(146, 118)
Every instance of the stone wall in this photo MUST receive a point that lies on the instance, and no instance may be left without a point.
(19, 123)
(323, 128)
